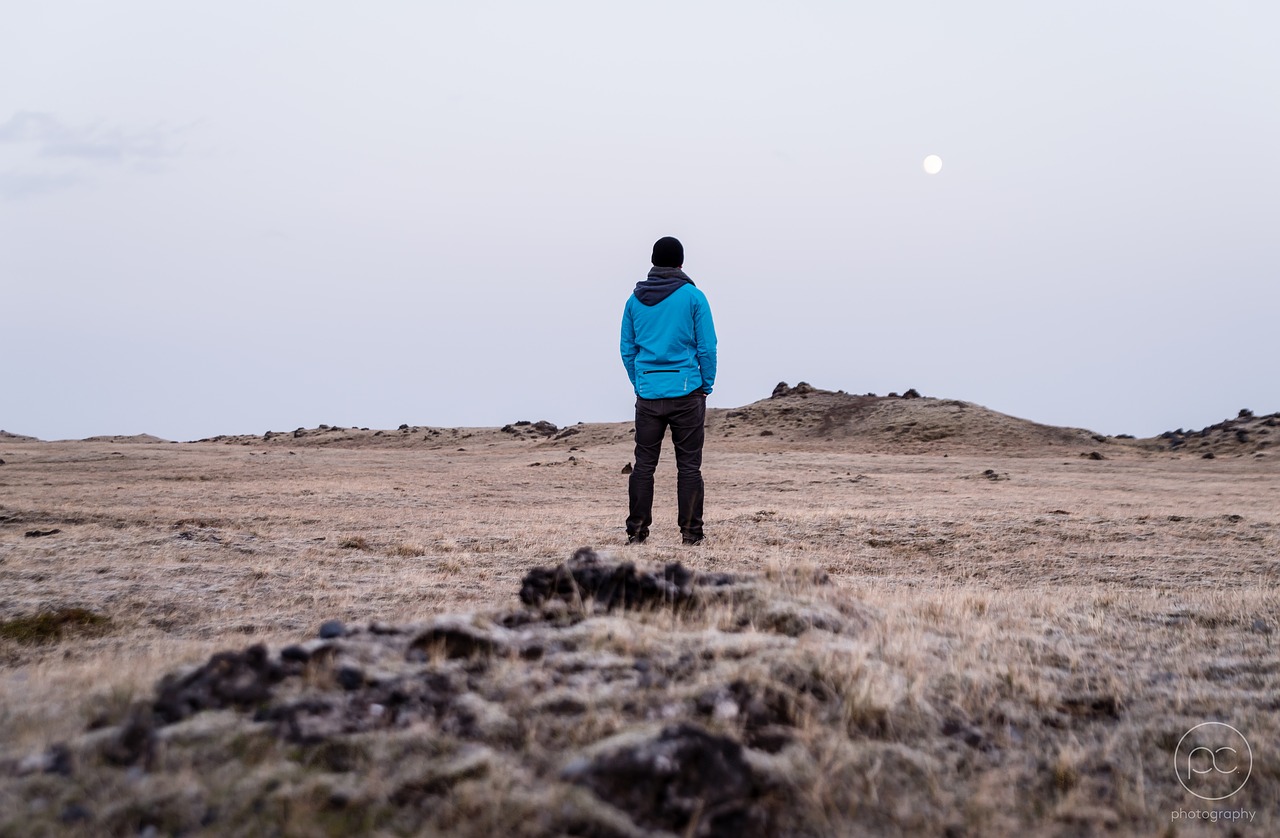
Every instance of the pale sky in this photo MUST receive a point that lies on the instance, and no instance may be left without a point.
(239, 217)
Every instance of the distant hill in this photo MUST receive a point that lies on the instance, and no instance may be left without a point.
(907, 423)
(807, 417)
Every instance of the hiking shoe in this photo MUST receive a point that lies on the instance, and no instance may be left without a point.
(639, 538)
(692, 540)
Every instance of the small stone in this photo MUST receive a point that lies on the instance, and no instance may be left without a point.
(332, 628)
(1260, 626)
(626, 469)
(350, 678)
(75, 813)
(295, 653)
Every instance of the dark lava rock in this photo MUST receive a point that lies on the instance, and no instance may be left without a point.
(316, 719)
(230, 679)
(626, 469)
(804, 388)
(57, 760)
(1208, 455)
(685, 780)
(330, 629)
(586, 577)
(456, 640)
(75, 813)
(913, 393)
(968, 734)
(403, 427)
(768, 714)
(41, 533)
(1093, 455)
(135, 742)
(1091, 706)
(350, 678)
(294, 654)
(543, 427)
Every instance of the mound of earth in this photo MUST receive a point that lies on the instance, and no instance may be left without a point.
(907, 423)
(136, 439)
(615, 701)
(8, 437)
(1245, 435)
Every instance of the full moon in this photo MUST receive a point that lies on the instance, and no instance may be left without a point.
(933, 164)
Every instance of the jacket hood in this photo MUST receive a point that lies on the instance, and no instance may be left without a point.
(660, 284)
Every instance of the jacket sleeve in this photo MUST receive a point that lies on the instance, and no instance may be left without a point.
(628, 344)
(704, 332)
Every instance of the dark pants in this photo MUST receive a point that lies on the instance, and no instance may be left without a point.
(684, 416)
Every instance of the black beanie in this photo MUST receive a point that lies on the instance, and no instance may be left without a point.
(668, 252)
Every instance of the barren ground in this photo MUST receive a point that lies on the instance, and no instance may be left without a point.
(1023, 639)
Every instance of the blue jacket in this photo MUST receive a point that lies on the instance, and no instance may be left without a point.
(668, 337)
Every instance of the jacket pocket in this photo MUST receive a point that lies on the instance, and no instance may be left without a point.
(663, 383)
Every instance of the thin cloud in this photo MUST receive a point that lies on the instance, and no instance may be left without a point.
(53, 155)
(15, 186)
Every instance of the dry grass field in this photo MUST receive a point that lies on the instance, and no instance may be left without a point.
(969, 629)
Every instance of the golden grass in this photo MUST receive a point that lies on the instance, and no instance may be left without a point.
(1071, 619)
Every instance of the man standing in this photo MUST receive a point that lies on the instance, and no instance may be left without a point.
(669, 350)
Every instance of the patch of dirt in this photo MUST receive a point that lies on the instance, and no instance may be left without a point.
(51, 626)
